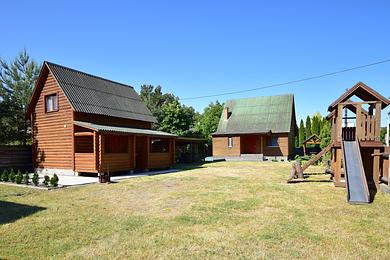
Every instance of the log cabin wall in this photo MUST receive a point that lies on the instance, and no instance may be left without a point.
(220, 146)
(114, 162)
(162, 160)
(282, 149)
(115, 121)
(53, 131)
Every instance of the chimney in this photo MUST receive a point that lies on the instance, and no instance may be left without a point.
(226, 113)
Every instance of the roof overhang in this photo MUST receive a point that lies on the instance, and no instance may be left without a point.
(122, 130)
(243, 133)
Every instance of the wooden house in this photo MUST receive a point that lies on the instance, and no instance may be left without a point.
(256, 129)
(84, 123)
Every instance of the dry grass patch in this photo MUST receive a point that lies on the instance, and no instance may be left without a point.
(220, 210)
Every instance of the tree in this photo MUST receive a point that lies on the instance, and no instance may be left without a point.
(308, 127)
(208, 121)
(17, 80)
(325, 134)
(302, 133)
(316, 124)
(155, 100)
(176, 119)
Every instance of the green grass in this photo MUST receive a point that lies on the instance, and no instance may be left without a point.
(219, 210)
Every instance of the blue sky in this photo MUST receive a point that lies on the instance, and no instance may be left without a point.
(195, 48)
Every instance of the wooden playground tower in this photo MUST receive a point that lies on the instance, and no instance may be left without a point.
(362, 126)
(356, 148)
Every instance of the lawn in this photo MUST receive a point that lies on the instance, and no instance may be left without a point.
(219, 210)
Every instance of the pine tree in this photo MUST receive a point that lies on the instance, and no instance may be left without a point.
(301, 133)
(316, 124)
(308, 127)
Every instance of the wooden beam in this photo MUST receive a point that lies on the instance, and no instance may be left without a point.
(95, 151)
(376, 168)
(134, 152)
(262, 145)
(339, 122)
(377, 121)
(84, 134)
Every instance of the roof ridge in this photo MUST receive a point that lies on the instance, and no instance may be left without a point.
(88, 74)
(279, 95)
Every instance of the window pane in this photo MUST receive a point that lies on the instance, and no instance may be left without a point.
(49, 104)
(159, 145)
(116, 144)
(55, 102)
(273, 141)
(230, 142)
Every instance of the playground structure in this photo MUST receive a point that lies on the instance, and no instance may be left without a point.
(313, 140)
(356, 149)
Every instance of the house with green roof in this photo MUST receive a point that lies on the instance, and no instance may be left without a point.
(258, 128)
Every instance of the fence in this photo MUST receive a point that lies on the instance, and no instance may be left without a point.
(15, 157)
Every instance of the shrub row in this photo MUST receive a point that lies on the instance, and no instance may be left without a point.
(20, 178)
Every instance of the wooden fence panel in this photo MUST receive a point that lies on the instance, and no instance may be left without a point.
(15, 157)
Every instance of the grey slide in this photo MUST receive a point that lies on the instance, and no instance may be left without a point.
(356, 182)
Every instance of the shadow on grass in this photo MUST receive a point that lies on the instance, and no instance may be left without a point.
(11, 211)
(189, 166)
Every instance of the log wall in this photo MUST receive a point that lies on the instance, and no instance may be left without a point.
(15, 157)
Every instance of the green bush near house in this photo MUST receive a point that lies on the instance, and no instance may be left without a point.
(19, 177)
(35, 179)
(54, 180)
(26, 178)
(12, 176)
(46, 180)
(5, 176)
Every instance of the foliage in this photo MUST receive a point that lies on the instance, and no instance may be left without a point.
(316, 124)
(26, 178)
(35, 179)
(208, 121)
(155, 100)
(19, 177)
(177, 118)
(54, 180)
(383, 134)
(17, 79)
(46, 180)
(302, 134)
(325, 135)
(5, 176)
(12, 176)
(308, 127)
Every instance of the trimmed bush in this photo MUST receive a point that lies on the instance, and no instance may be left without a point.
(5, 176)
(12, 176)
(19, 177)
(54, 180)
(35, 179)
(26, 178)
(46, 180)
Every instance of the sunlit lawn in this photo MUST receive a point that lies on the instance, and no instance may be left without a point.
(219, 210)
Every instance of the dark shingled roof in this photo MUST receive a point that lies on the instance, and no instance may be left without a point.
(258, 115)
(95, 95)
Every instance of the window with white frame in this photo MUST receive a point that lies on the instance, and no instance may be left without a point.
(230, 142)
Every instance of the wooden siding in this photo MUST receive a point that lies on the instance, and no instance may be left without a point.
(285, 141)
(85, 162)
(52, 132)
(15, 157)
(106, 120)
(160, 160)
(220, 146)
(282, 150)
(114, 162)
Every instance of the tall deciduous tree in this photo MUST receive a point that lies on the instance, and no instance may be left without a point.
(308, 127)
(302, 133)
(155, 100)
(17, 80)
(176, 118)
(208, 121)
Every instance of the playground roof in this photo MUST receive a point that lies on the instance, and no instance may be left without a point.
(258, 115)
(314, 139)
(362, 91)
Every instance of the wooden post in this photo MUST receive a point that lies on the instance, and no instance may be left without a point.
(339, 122)
(134, 152)
(147, 152)
(95, 151)
(358, 122)
(337, 172)
(377, 121)
(262, 145)
(376, 167)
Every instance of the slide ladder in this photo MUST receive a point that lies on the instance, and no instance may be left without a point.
(356, 182)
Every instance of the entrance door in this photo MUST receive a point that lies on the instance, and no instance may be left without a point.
(141, 152)
(249, 144)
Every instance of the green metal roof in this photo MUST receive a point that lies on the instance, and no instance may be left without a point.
(122, 130)
(258, 115)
